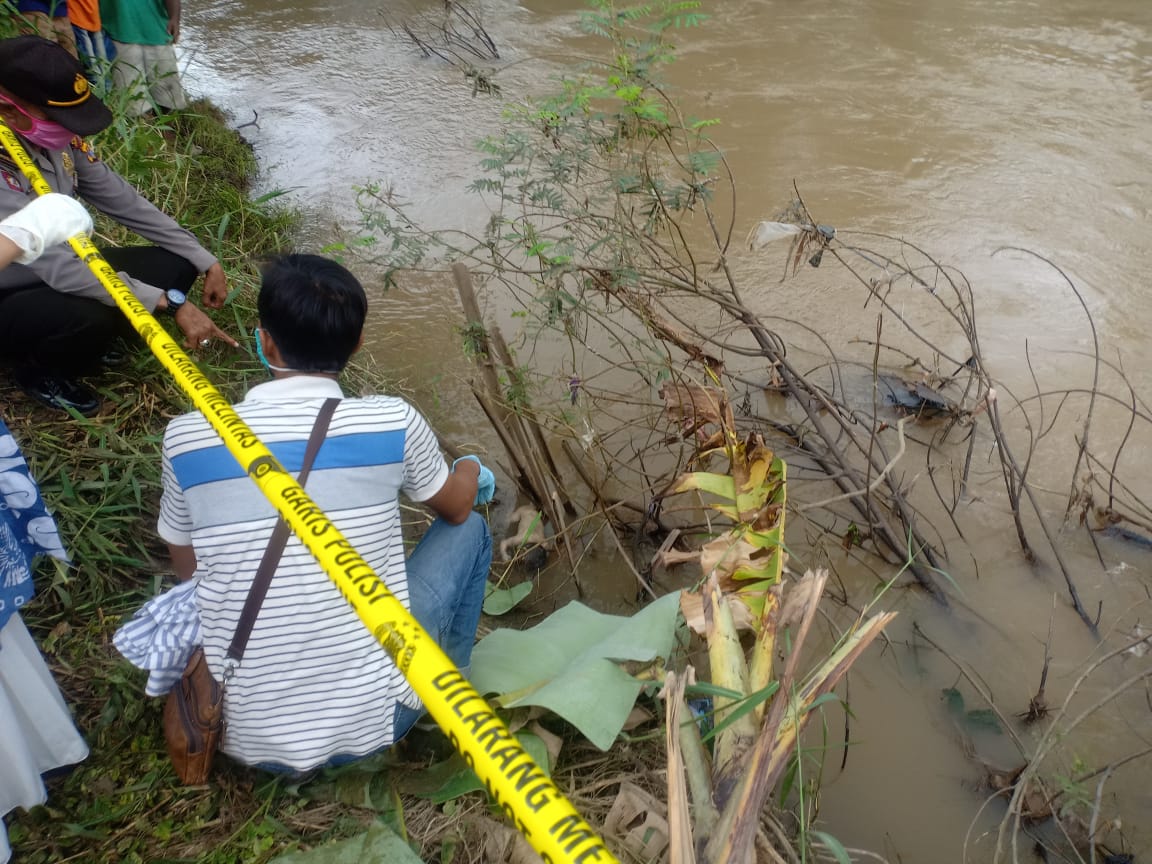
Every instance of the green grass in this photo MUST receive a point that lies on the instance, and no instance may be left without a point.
(101, 479)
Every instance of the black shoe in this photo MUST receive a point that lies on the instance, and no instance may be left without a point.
(114, 358)
(56, 392)
(118, 354)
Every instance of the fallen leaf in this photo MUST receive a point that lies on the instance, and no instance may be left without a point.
(637, 821)
(732, 555)
(800, 596)
(378, 843)
(500, 601)
(553, 742)
(637, 717)
(692, 607)
(693, 403)
(570, 663)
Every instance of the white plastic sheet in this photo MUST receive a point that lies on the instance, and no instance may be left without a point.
(764, 233)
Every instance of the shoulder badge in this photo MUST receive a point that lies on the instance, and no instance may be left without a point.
(12, 180)
(86, 147)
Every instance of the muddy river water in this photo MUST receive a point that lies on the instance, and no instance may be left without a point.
(963, 126)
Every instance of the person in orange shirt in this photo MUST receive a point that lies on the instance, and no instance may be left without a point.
(96, 49)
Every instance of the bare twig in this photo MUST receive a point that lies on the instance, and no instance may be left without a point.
(871, 487)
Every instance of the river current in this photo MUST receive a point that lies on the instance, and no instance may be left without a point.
(965, 127)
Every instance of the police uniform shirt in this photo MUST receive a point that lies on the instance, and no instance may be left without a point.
(78, 172)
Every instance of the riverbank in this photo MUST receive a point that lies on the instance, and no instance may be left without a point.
(100, 477)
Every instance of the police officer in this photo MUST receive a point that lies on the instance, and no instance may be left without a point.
(56, 319)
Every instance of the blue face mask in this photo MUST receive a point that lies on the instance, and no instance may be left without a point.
(272, 368)
(263, 359)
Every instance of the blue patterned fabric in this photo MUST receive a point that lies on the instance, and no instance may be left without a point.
(26, 528)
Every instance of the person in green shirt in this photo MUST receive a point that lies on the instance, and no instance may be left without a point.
(143, 33)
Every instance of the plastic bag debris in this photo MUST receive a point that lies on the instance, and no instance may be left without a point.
(769, 232)
(764, 233)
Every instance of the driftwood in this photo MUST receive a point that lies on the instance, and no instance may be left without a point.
(531, 462)
(457, 37)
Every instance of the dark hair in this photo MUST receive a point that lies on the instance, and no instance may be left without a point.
(313, 309)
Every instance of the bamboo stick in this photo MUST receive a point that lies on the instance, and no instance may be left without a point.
(491, 397)
(521, 435)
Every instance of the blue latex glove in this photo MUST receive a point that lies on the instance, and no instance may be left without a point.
(485, 483)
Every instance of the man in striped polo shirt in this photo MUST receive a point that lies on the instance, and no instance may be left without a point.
(314, 686)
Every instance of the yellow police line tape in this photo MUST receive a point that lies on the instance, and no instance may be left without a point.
(527, 796)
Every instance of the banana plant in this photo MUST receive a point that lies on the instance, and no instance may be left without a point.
(762, 699)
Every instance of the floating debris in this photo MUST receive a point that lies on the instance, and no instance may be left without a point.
(765, 233)
(1139, 647)
(912, 396)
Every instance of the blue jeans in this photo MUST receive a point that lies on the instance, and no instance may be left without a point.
(447, 574)
(96, 53)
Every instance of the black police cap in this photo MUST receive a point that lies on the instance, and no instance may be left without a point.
(45, 75)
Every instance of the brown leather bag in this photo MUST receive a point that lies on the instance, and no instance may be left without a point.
(194, 721)
(194, 711)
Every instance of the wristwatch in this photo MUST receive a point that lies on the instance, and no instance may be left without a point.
(176, 299)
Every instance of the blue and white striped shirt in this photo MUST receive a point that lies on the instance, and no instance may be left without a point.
(313, 682)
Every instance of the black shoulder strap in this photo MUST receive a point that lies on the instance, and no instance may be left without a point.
(278, 540)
